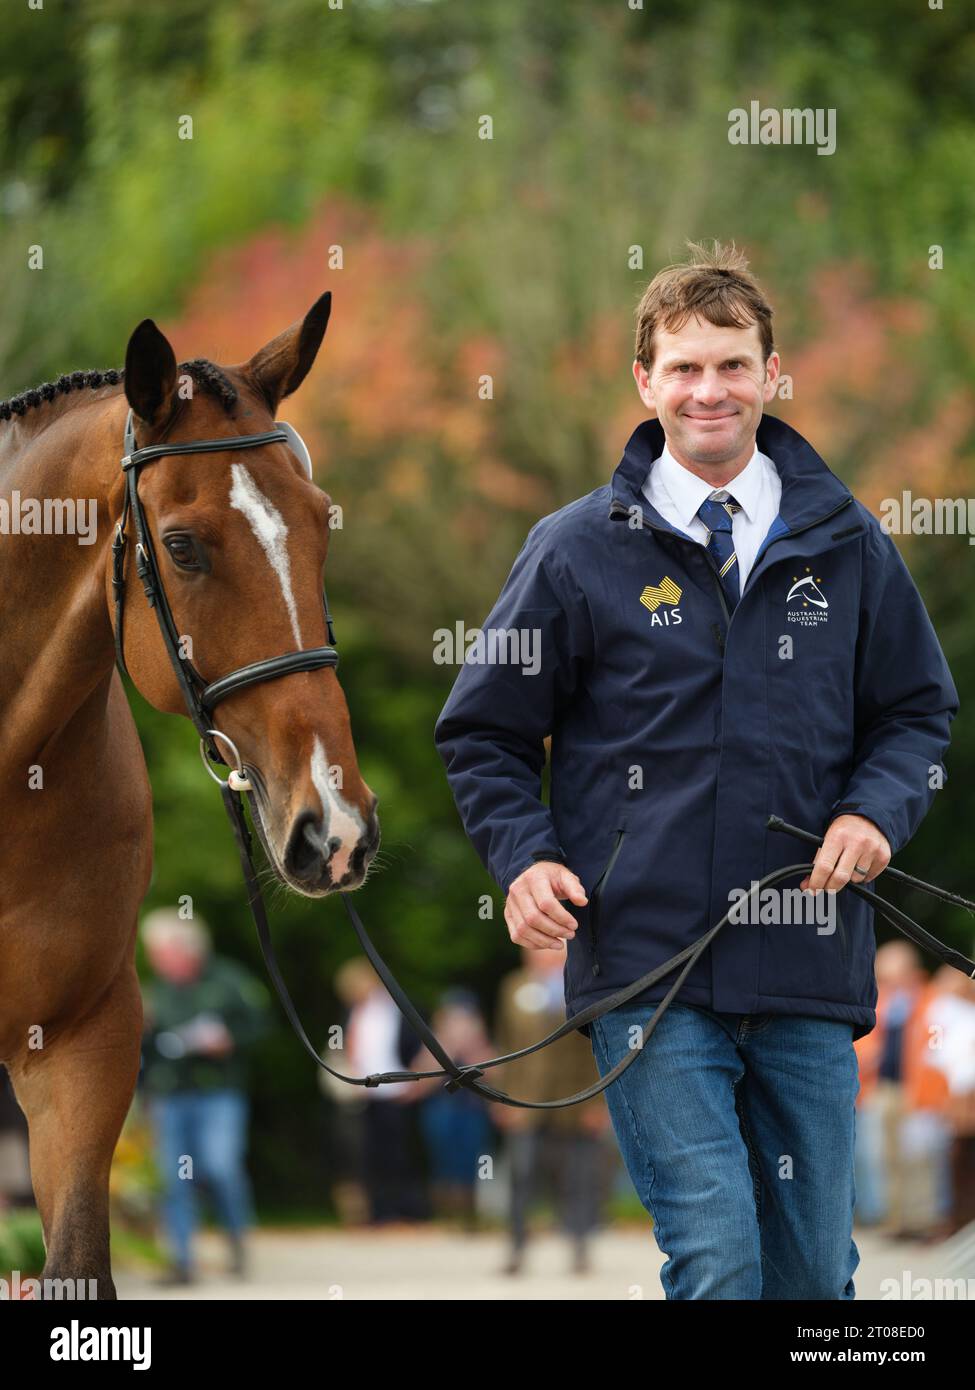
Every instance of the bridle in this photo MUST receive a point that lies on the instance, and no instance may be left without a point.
(201, 698)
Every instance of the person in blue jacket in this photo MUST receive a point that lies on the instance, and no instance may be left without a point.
(722, 633)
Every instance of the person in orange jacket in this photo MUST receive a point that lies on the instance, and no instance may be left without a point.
(903, 1131)
(952, 1021)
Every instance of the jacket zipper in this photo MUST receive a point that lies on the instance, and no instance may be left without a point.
(844, 939)
(596, 894)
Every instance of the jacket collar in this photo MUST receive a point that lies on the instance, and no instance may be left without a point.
(810, 490)
(687, 491)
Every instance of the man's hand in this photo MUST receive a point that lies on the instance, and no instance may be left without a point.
(532, 911)
(853, 848)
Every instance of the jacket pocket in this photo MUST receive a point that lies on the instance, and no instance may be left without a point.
(595, 897)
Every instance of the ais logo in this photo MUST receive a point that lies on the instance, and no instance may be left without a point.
(664, 596)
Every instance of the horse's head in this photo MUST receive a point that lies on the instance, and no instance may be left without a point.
(240, 540)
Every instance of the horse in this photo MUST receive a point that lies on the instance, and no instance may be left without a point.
(241, 540)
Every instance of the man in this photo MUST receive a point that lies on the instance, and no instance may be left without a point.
(724, 632)
(201, 1012)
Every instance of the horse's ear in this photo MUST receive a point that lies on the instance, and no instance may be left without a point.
(150, 373)
(282, 364)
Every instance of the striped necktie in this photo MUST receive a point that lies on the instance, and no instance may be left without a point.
(716, 516)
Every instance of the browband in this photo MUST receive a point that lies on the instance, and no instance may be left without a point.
(283, 433)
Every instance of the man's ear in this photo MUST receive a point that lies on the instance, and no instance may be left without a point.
(281, 365)
(150, 373)
(772, 371)
(643, 386)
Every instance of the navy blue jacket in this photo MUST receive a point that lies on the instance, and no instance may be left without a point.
(676, 732)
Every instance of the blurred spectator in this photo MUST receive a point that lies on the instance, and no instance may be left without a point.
(201, 1012)
(902, 1133)
(456, 1125)
(344, 1130)
(564, 1147)
(15, 1185)
(382, 1130)
(952, 1020)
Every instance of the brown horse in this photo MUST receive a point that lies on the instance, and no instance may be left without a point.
(241, 540)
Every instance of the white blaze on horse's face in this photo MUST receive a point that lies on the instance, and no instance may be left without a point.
(341, 822)
(269, 527)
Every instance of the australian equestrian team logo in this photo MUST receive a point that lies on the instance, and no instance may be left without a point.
(805, 602)
(656, 596)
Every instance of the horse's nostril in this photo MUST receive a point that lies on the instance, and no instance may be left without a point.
(367, 846)
(303, 857)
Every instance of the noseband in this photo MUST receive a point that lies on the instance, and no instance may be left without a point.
(201, 697)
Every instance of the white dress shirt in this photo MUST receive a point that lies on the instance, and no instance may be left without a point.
(677, 493)
(372, 1041)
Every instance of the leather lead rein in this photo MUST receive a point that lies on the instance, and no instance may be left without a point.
(456, 1074)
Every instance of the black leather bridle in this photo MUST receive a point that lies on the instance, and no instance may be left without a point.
(202, 696)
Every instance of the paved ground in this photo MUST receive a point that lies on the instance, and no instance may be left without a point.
(410, 1263)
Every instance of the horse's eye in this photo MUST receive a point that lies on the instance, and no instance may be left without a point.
(182, 551)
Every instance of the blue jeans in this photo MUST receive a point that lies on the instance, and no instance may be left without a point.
(738, 1133)
(210, 1128)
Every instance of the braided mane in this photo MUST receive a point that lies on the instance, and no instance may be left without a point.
(205, 373)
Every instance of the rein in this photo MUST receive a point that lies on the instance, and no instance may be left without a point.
(201, 697)
(456, 1074)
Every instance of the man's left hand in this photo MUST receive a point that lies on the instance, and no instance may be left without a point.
(853, 850)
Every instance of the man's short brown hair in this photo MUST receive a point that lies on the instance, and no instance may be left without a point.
(714, 283)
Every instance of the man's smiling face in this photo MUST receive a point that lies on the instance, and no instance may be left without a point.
(708, 386)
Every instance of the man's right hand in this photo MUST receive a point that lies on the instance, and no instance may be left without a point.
(534, 915)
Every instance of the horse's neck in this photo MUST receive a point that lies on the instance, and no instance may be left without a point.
(57, 635)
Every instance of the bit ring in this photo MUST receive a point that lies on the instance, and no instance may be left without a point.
(237, 779)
